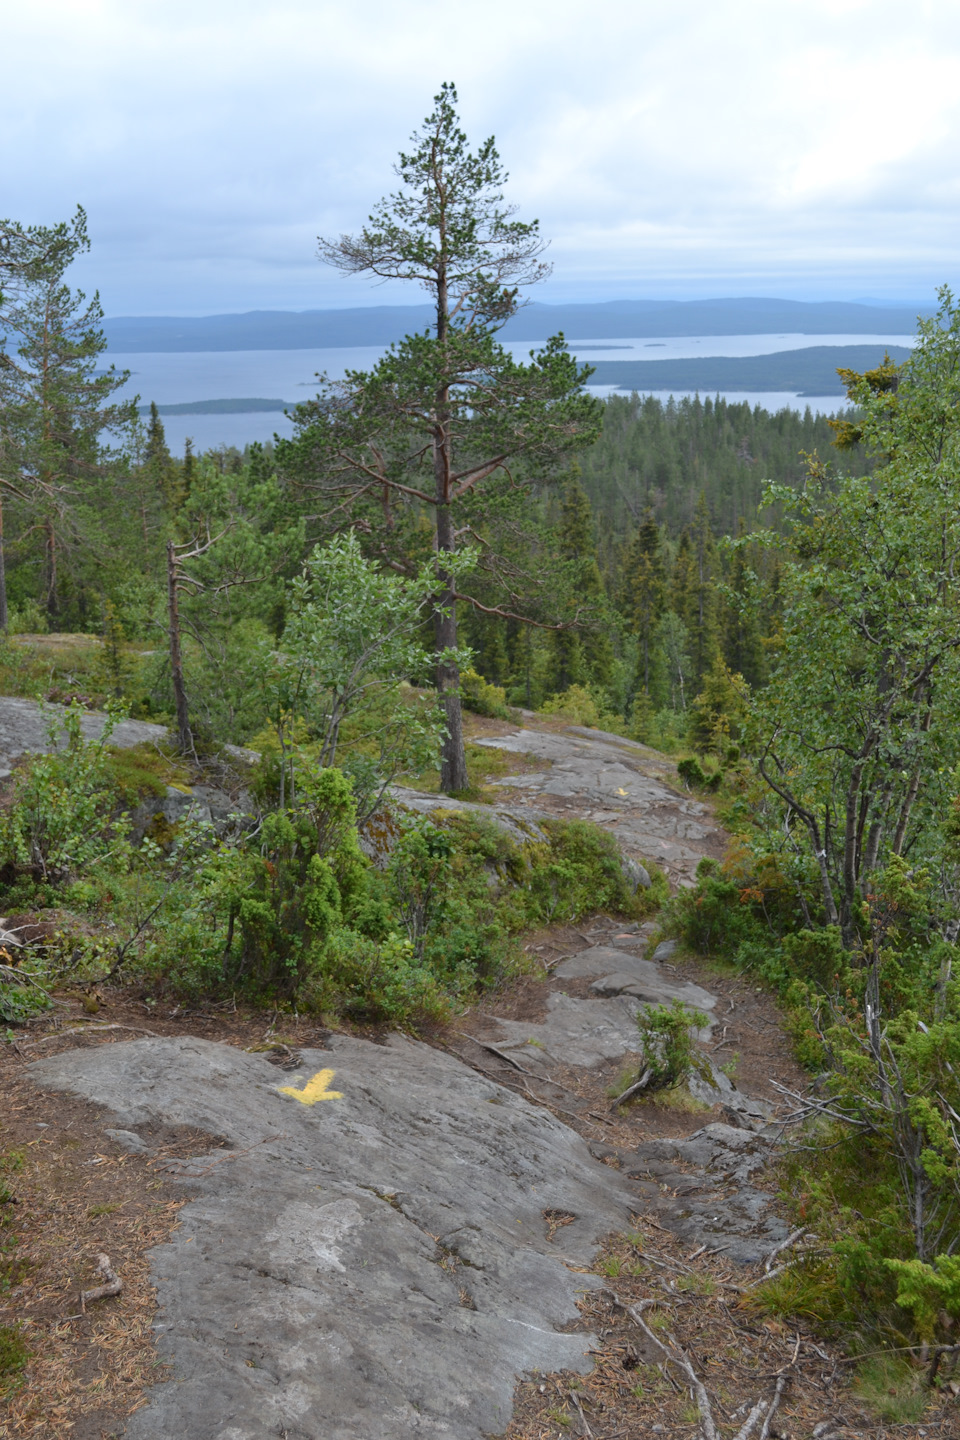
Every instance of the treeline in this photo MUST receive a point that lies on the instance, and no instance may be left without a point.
(631, 572)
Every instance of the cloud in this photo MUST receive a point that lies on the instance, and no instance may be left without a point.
(714, 146)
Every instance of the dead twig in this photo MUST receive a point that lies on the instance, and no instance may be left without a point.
(675, 1356)
(187, 1174)
(113, 1286)
(784, 1245)
(774, 1403)
(583, 1419)
(485, 1045)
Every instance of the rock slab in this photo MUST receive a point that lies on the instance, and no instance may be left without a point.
(369, 1257)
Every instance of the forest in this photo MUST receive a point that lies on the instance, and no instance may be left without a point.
(770, 598)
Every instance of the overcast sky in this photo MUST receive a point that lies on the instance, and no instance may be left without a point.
(804, 148)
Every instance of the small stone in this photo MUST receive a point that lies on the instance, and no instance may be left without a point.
(129, 1140)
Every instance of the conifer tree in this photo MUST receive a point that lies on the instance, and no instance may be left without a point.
(742, 642)
(581, 653)
(644, 590)
(448, 416)
(159, 463)
(701, 617)
(55, 401)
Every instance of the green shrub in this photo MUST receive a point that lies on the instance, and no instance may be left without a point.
(289, 897)
(716, 918)
(575, 704)
(21, 1002)
(373, 981)
(691, 772)
(482, 698)
(61, 821)
(577, 872)
(930, 1292)
(666, 1041)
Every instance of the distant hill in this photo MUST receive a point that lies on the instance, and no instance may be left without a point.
(804, 372)
(614, 319)
(220, 407)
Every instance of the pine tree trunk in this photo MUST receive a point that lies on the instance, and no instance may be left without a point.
(3, 578)
(184, 733)
(453, 760)
(51, 547)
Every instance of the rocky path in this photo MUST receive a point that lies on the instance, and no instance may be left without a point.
(381, 1241)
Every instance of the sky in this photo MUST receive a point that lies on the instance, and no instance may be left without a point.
(798, 148)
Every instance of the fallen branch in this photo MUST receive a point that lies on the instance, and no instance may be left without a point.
(186, 1174)
(88, 1030)
(583, 1419)
(114, 1285)
(10, 975)
(676, 1357)
(774, 1403)
(784, 1245)
(485, 1045)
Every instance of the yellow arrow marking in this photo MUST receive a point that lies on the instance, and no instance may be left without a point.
(315, 1089)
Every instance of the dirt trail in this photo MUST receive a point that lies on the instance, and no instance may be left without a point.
(384, 1239)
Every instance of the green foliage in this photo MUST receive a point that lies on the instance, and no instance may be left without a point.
(21, 1002)
(667, 1042)
(576, 705)
(717, 917)
(930, 1292)
(290, 896)
(481, 697)
(353, 637)
(14, 1356)
(692, 773)
(576, 873)
(718, 712)
(60, 821)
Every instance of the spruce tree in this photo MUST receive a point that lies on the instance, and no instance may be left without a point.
(644, 591)
(742, 642)
(581, 652)
(159, 463)
(701, 616)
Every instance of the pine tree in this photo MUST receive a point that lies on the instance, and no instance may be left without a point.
(54, 398)
(449, 416)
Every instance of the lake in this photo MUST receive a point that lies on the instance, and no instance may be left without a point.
(171, 378)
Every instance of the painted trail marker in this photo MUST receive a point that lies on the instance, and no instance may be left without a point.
(315, 1089)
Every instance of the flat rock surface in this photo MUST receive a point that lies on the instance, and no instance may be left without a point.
(24, 727)
(621, 785)
(373, 1264)
(701, 1189)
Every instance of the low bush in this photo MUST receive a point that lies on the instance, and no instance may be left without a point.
(482, 698)
(667, 1042)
